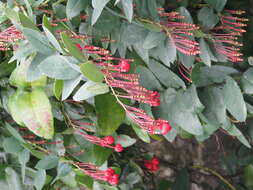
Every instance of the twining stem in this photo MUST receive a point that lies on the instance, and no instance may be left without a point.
(215, 174)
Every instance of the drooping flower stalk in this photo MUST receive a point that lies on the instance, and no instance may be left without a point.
(114, 74)
(180, 32)
(93, 171)
(225, 37)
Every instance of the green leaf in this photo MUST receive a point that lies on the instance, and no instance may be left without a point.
(248, 176)
(98, 88)
(58, 67)
(150, 26)
(153, 39)
(48, 162)
(205, 52)
(128, 9)
(38, 41)
(13, 179)
(73, 8)
(182, 181)
(83, 93)
(110, 113)
(40, 179)
(63, 169)
(250, 61)
(50, 36)
(124, 140)
(147, 78)
(69, 86)
(92, 72)
(217, 4)
(42, 111)
(143, 135)
(14, 132)
(234, 100)
(166, 76)
(232, 130)
(101, 154)
(98, 6)
(26, 22)
(11, 145)
(73, 50)
(207, 18)
(247, 81)
(14, 109)
(58, 86)
(23, 158)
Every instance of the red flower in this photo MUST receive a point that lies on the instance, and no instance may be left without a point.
(152, 165)
(97, 174)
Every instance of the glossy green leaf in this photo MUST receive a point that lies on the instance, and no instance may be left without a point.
(128, 9)
(92, 72)
(58, 86)
(205, 52)
(40, 179)
(207, 18)
(248, 175)
(124, 140)
(26, 22)
(147, 78)
(234, 100)
(14, 132)
(101, 154)
(12, 145)
(43, 113)
(13, 179)
(143, 135)
(165, 76)
(73, 8)
(38, 41)
(23, 158)
(47, 162)
(58, 67)
(110, 113)
(98, 6)
(217, 4)
(153, 39)
(71, 47)
(69, 86)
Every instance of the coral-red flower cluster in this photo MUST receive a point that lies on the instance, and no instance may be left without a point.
(9, 36)
(152, 165)
(91, 170)
(107, 141)
(226, 36)
(179, 33)
(115, 75)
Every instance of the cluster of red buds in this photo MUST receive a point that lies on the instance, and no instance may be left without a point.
(152, 165)
(91, 170)
(9, 36)
(107, 141)
(115, 75)
(179, 33)
(226, 36)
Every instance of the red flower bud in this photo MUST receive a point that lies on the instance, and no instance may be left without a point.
(118, 148)
(165, 127)
(124, 65)
(109, 139)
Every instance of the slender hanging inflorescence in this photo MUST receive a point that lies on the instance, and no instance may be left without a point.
(91, 170)
(226, 35)
(128, 86)
(180, 33)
